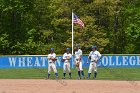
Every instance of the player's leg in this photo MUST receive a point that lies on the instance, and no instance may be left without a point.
(95, 70)
(90, 69)
(79, 74)
(81, 69)
(55, 70)
(49, 70)
(64, 71)
(69, 70)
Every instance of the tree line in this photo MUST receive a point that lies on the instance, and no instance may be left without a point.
(34, 26)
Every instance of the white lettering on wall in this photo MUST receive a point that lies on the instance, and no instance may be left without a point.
(132, 60)
(111, 63)
(12, 61)
(138, 60)
(21, 61)
(118, 63)
(37, 62)
(105, 61)
(44, 59)
(125, 60)
(29, 61)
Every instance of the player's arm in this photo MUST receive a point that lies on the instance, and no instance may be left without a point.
(54, 57)
(81, 55)
(75, 57)
(49, 58)
(89, 57)
(68, 58)
(64, 58)
(99, 56)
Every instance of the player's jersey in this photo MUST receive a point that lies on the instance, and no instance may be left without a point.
(65, 56)
(51, 56)
(78, 54)
(95, 55)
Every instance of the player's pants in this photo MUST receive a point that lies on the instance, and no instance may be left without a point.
(66, 66)
(51, 66)
(92, 66)
(80, 64)
(80, 67)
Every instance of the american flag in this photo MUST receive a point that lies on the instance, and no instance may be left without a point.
(76, 20)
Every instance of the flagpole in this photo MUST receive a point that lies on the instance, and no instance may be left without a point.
(72, 34)
(72, 38)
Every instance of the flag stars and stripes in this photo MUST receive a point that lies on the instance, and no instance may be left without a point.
(76, 20)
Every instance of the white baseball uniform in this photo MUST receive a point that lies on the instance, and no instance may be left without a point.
(95, 56)
(78, 55)
(51, 63)
(66, 65)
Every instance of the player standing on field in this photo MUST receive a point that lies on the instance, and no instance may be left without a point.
(51, 63)
(66, 66)
(78, 59)
(94, 56)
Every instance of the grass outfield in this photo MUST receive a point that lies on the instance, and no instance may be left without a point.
(40, 73)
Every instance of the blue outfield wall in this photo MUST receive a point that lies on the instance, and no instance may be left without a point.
(41, 61)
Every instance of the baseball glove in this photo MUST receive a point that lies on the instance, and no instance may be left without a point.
(62, 60)
(77, 64)
(54, 59)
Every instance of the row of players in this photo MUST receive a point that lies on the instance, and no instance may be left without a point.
(94, 56)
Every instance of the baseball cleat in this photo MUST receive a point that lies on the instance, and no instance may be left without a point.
(46, 78)
(83, 77)
(56, 77)
(63, 78)
(88, 78)
(70, 77)
(79, 78)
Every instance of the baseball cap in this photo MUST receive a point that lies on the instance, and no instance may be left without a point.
(68, 49)
(52, 49)
(94, 47)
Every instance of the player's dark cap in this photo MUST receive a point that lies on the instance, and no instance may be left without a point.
(52, 49)
(94, 47)
(68, 49)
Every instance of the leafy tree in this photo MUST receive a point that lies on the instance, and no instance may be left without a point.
(34, 26)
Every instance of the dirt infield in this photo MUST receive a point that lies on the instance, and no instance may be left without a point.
(67, 86)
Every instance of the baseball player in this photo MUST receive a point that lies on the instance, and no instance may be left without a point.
(78, 59)
(94, 56)
(66, 66)
(51, 63)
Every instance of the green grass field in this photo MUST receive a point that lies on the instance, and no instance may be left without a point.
(103, 73)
